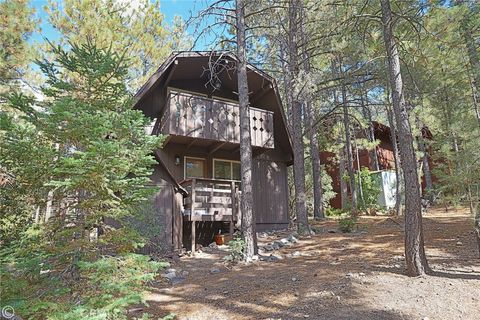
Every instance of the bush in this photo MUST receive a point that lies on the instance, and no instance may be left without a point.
(237, 248)
(370, 190)
(347, 224)
(334, 212)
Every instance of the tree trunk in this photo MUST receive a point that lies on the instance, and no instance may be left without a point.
(371, 136)
(343, 183)
(248, 217)
(477, 225)
(396, 158)
(426, 168)
(318, 210)
(474, 61)
(415, 258)
(297, 132)
(348, 147)
(311, 128)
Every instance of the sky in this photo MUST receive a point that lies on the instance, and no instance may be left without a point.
(170, 8)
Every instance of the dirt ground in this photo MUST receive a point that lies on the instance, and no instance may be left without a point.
(335, 276)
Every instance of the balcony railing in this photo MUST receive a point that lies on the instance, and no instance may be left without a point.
(211, 200)
(199, 117)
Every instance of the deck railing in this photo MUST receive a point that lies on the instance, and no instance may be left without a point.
(200, 117)
(211, 199)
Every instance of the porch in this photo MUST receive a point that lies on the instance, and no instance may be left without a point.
(210, 200)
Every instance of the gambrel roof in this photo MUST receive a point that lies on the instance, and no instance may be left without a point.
(193, 67)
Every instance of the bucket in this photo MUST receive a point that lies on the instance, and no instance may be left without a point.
(220, 239)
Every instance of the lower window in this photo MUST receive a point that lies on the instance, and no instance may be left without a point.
(226, 169)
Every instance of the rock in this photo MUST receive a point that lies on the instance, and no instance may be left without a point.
(134, 310)
(263, 235)
(361, 274)
(213, 245)
(176, 280)
(275, 246)
(214, 270)
(306, 316)
(280, 244)
(169, 275)
(291, 238)
(268, 247)
(459, 243)
(296, 254)
(184, 273)
(397, 258)
(397, 266)
(349, 275)
(170, 270)
(284, 241)
(294, 279)
(273, 258)
(332, 231)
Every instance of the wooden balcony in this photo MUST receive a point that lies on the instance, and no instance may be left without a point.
(211, 200)
(194, 116)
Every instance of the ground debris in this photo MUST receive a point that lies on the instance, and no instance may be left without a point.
(334, 283)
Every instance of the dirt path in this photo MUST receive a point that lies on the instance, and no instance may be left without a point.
(335, 276)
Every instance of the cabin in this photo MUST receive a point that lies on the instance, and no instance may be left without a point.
(192, 99)
(379, 161)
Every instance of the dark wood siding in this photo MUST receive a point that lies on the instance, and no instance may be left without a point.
(270, 172)
(270, 194)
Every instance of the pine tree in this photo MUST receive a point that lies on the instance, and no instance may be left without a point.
(86, 146)
(16, 25)
(138, 28)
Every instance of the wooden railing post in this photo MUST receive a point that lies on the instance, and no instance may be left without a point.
(192, 214)
(234, 207)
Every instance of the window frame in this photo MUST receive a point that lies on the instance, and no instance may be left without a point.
(195, 158)
(231, 168)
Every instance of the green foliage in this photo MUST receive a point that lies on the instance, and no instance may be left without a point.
(237, 248)
(136, 28)
(347, 224)
(334, 212)
(371, 189)
(83, 153)
(327, 188)
(16, 25)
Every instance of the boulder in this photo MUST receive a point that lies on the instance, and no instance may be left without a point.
(214, 270)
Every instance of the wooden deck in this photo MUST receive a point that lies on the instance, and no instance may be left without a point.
(200, 117)
(211, 200)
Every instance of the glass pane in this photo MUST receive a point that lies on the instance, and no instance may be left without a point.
(222, 170)
(236, 171)
(194, 168)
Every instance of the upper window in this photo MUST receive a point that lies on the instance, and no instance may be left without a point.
(194, 168)
(225, 169)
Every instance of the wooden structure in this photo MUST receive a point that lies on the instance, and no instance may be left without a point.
(192, 100)
(363, 158)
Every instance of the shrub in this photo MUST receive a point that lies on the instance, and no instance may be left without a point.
(334, 212)
(237, 248)
(370, 190)
(347, 224)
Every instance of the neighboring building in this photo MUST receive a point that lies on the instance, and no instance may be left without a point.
(193, 99)
(381, 161)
